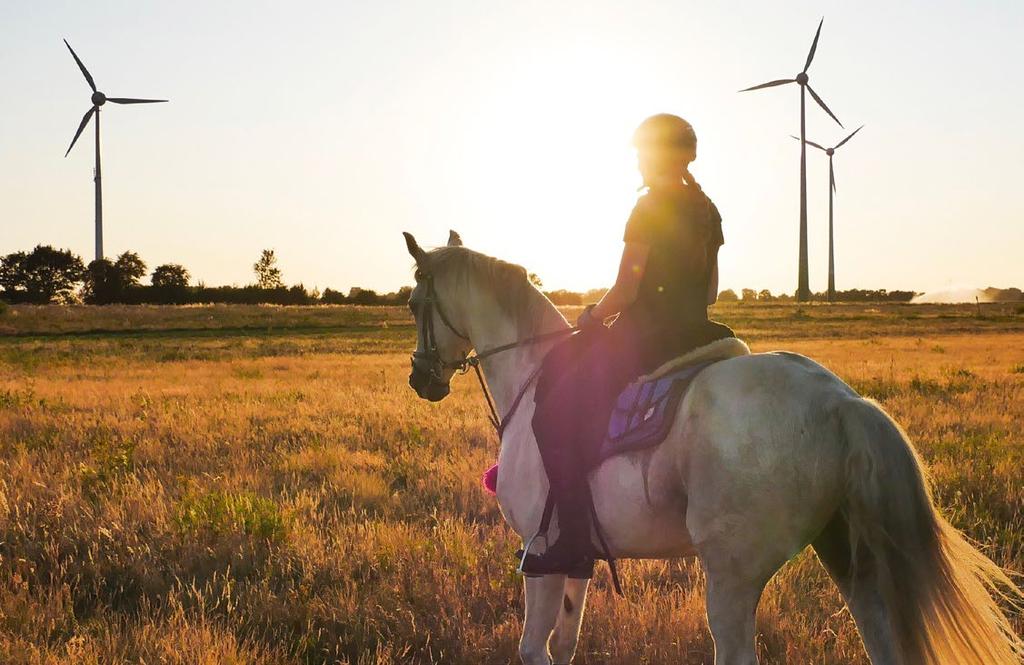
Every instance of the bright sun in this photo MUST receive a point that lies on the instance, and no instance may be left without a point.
(560, 170)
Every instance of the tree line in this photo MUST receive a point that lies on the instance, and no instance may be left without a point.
(48, 275)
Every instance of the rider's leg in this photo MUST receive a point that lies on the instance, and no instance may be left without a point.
(557, 438)
(543, 602)
(570, 421)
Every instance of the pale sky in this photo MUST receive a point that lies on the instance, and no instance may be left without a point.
(323, 129)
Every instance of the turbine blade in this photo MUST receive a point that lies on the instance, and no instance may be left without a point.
(88, 76)
(129, 100)
(769, 84)
(831, 175)
(85, 121)
(822, 105)
(814, 45)
(808, 142)
(849, 137)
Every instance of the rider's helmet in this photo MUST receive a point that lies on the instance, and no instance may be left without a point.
(664, 134)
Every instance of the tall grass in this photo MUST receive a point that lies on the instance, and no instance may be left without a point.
(283, 497)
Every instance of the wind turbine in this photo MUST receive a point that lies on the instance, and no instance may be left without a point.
(803, 292)
(831, 189)
(98, 99)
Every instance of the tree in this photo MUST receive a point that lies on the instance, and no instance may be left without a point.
(749, 295)
(12, 274)
(268, 275)
(130, 268)
(170, 276)
(110, 282)
(536, 280)
(359, 296)
(728, 296)
(332, 297)
(103, 283)
(765, 295)
(170, 284)
(41, 275)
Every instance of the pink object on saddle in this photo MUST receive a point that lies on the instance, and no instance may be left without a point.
(490, 480)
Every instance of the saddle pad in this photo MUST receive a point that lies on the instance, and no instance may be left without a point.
(645, 411)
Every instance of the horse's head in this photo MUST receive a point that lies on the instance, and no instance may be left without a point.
(441, 343)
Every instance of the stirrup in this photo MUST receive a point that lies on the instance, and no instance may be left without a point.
(527, 547)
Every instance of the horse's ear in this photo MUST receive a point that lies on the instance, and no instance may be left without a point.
(454, 239)
(414, 249)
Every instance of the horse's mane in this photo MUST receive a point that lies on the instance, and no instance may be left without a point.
(507, 282)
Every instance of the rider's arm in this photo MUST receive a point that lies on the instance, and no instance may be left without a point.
(717, 240)
(627, 284)
(713, 284)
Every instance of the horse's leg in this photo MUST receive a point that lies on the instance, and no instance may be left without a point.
(739, 551)
(567, 629)
(732, 597)
(860, 590)
(543, 601)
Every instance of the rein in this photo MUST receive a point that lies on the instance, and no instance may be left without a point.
(438, 364)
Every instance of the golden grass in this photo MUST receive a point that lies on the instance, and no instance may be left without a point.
(255, 496)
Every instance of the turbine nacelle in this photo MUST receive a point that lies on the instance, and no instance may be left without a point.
(830, 151)
(98, 99)
(802, 79)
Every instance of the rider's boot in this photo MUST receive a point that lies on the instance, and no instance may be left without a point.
(572, 551)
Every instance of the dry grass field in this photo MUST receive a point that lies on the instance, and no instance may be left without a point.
(259, 485)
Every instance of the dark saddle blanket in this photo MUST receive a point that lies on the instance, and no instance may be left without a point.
(645, 410)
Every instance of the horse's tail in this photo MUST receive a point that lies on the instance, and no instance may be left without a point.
(937, 588)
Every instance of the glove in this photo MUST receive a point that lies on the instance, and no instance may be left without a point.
(586, 320)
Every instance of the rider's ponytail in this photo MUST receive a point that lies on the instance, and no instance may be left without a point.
(690, 180)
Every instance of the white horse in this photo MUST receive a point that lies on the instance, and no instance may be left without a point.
(769, 453)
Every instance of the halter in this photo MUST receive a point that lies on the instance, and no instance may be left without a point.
(436, 365)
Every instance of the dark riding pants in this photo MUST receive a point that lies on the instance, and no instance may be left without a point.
(576, 391)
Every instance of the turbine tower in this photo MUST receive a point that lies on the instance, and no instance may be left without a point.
(831, 190)
(803, 292)
(98, 99)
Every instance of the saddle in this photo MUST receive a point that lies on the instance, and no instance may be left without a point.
(645, 410)
(642, 417)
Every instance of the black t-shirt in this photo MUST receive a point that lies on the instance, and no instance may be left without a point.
(684, 231)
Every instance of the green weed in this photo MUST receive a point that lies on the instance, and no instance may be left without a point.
(223, 512)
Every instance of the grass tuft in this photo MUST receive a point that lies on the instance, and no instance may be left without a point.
(225, 512)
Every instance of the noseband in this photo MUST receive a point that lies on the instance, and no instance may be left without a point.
(430, 360)
(435, 365)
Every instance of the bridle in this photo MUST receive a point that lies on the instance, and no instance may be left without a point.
(435, 364)
(430, 361)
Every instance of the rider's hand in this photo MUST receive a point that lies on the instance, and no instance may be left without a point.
(587, 320)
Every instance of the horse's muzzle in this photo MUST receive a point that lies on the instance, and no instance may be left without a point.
(428, 387)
